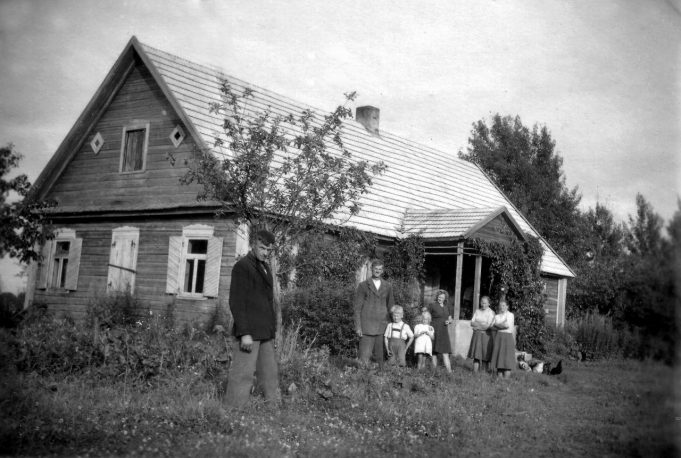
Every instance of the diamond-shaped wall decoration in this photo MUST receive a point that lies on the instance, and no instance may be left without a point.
(176, 136)
(97, 143)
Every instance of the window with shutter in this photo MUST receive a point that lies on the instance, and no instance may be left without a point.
(123, 259)
(134, 148)
(60, 263)
(194, 263)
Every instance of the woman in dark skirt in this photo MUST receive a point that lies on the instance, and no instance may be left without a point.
(480, 350)
(503, 347)
(442, 316)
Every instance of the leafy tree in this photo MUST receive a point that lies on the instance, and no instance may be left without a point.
(644, 235)
(291, 174)
(526, 167)
(23, 222)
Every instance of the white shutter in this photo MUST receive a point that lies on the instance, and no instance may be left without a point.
(44, 264)
(113, 279)
(174, 257)
(73, 267)
(213, 261)
(123, 259)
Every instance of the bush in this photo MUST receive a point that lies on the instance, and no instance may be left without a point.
(595, 336)
(112, 309)
(137, 352)
(325, 313)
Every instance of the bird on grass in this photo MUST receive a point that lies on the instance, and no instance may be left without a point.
(558, 369)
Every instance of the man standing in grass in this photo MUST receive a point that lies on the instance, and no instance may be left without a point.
(373, 300)
(251, 300)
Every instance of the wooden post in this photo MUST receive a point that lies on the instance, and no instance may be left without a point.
(457, 284)
(476, 286)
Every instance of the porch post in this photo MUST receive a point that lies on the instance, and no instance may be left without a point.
(452, 328)
(457, 287)
(476, 285)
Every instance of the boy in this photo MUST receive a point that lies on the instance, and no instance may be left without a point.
(396, 333)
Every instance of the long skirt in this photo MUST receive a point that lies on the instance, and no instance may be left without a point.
(503, 351)
(481, 346)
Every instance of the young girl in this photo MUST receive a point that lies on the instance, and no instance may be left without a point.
(480, 350)
(396, 333)
(423, 345)
(503, 348)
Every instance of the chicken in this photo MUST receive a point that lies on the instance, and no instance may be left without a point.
(558, 369)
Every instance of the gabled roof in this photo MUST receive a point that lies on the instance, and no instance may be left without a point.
(446, 223)
(417, 177)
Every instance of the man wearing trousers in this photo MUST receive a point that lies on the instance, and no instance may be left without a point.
(251, 300)
(373, 300)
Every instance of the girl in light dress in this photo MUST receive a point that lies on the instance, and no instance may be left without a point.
(480, 350)
(424, 334)
(503, 347)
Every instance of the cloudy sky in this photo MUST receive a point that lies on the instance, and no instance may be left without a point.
(602, 76)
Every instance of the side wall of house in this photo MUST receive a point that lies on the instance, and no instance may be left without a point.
(554, 304)
(151, 267)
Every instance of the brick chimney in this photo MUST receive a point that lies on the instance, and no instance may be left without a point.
(369, 117)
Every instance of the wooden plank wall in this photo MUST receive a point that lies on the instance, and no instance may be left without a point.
(152, 263)
(551, 301)
(93, 180)
(497, 230)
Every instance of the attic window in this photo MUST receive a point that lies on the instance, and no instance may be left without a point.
(134, 148)
(97, 143)
(176, 136)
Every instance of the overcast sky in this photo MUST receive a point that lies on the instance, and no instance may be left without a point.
(603, 76)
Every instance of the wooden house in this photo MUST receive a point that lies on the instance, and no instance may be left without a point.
(124, 221)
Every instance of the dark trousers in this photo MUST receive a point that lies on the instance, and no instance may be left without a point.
(398, 347)
(262, 362)
(369, 345)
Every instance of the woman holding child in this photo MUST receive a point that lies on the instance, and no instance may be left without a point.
(442, 316)
(503, 349)
(480, 350)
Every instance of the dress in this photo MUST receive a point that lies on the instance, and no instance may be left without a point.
(440, 315)
(503, 347)
(424, 343)
(481, 343)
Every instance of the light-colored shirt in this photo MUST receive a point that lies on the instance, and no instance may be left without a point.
(504, 322)
(399, 330)
(377, 282)
(482, 319)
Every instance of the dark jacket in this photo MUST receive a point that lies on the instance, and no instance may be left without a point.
(372, 307)
(251, 299)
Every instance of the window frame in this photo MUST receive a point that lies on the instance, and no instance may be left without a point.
(138, 125)
(175, 281)
(66, 273)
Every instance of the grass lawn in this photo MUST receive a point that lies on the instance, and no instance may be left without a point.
(612, 408)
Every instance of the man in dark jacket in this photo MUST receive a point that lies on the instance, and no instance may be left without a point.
(251, 300)
(373, 300)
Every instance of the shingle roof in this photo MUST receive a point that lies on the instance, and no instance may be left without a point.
(445, 223)
(417, 177)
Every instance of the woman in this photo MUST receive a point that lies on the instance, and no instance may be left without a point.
(503, 348)
(442, 316)
(480, 350)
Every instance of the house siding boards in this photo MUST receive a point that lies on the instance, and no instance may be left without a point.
(151, 266)
(93, 181)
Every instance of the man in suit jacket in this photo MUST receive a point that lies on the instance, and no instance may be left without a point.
(373, 300)
(251, 300)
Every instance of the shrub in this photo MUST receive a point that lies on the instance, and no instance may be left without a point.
(559, 342)
(325, 314)
(595, 336)
(117, 308)
(137, 352)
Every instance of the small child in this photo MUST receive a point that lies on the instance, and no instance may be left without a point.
(425, 334)
(396, 333)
